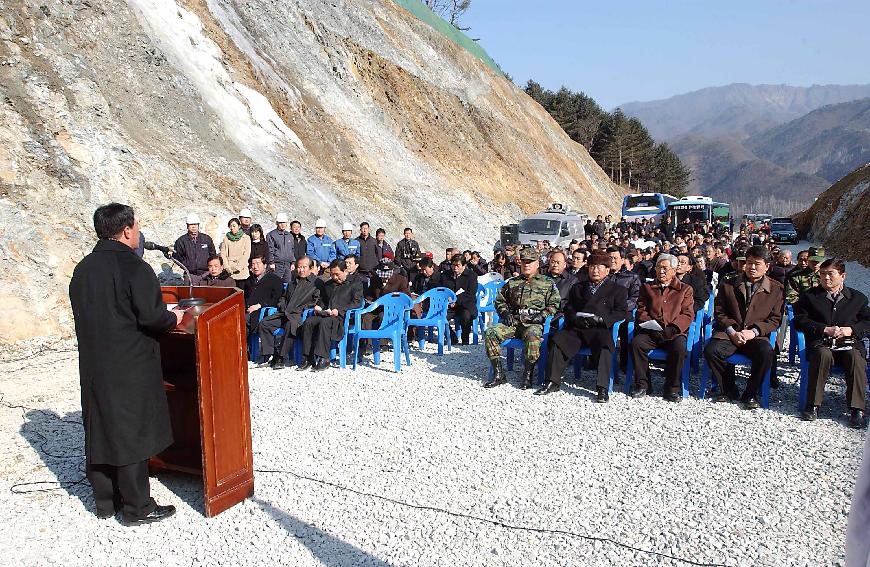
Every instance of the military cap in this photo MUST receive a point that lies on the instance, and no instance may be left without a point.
(528, 254)
(817, 254)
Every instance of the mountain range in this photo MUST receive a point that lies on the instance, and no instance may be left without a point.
(764, 148)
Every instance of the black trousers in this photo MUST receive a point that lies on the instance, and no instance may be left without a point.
(124, 488)
(758, 350)
(642, 344)
(317, 333)
(253, 322)
(268, 341)
(854, 365)
(464, 317)
(558, 360)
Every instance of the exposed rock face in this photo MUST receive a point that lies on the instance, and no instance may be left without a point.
(840, 217)
(350, 109)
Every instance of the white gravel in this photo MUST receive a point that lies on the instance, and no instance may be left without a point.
(701, 482)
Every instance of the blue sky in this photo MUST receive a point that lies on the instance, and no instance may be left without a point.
(622, 51)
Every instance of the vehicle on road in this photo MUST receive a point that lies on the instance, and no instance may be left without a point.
(652, 206)
(557, 225)
(699, 209)
(783, 230)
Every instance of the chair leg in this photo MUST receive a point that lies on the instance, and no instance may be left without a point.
(510, 359)
(765, 391)
(614, 361)
(342, 352)
(397, 352)
(376, 351)
(686, 372)
(407, 350)
(804, 385)
(440, 338)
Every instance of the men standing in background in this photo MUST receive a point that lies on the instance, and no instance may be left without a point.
(194, 248)
(280, 244)
(119, 314)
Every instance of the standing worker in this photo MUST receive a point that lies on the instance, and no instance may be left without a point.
(119, 313)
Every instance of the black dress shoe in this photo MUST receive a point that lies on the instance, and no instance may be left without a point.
(810, 414)
(638, 393)
(279, 363)
(602, 396)
(720, 398)
(547, 388)
(105, 515)
(159, 513)
(751, 403)
(321, 365)
(774, 381)
(856, 419)
(307, 363)
(673, 397)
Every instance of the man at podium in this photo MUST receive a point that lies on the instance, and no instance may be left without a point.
(119, 313)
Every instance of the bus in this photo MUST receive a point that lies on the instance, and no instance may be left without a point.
(639, 206)
(699, 209)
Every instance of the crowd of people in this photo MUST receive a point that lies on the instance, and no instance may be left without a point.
(655, 273)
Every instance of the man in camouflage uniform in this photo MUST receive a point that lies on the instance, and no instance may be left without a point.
(522, 306)
(802, 279)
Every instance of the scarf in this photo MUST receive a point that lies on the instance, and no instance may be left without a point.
(235, 237)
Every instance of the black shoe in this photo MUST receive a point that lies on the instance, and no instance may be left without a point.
(279, 363)
(751, 403)
(528, 371)
(498, 376)
(810, 414)
(321, 365)
(673, 397)
(602, 396)
(105, 515)
(774, 381)
(720, 398)
(547, 388)
(856, 419)
(307, 362)
(638, 393)
(159, 513)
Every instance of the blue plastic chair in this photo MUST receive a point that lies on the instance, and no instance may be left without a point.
(485, 304)
(801, 344)
(254, 339)
(440, 299)
(394, 326)
(338, 349)
(586, 351)
(737, 359)
(700, 339)
(661, 355)
(793, 349)
(515, 343)
(297, 344)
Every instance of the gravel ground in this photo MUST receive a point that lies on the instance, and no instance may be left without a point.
(711, 484)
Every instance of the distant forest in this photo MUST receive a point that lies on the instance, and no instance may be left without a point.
(622, 146)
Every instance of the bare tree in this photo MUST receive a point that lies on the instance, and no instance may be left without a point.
(450, 10)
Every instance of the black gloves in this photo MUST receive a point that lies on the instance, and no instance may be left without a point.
(596, 321)
(506, 318)
(531, 316)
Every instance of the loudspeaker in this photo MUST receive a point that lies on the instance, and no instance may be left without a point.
(510, 235)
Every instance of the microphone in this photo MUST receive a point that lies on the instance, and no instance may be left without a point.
(189, 301)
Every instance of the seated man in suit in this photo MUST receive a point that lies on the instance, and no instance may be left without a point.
(302, 293)
(748, 308)
(835, 319)
(326, 324)
(668, 302)
(593, 307)
(262, 289)
(463, 281)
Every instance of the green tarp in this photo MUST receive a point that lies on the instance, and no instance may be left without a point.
(427, 16)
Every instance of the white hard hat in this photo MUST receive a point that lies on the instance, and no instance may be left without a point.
(321, 223)
(347, 226)
(246, 213)
(193, 218)
(281, 217)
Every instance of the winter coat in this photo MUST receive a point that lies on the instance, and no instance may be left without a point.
(260, 249)
(671, 305)
(608, 302)
(281, 251)
(236, 256)
(267, 291)
(345, 248)
(368, 253)
(119, 314)
(381, 248)
(406, 251)
(631, 282)
(732, 309)
(466, 281)
(321, 249)
(224, 279)
(194, 254)
(814, 311)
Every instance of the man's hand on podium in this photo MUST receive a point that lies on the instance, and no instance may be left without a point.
(179, 315)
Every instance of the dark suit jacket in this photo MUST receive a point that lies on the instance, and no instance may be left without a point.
(301, 294)
(763, 312)
(266, 292)
(608, 302)
(467, 281)
(814, 311)
(700, 292)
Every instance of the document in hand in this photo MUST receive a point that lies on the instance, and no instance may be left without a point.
(459, 291)
(652, 325)
(584, 314)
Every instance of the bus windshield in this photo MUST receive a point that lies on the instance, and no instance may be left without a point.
(539, 226)
(642, 201)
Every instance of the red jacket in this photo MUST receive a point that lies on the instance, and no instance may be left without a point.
(673, 305)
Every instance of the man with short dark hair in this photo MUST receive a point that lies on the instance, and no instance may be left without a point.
(194, 248)
(326, 324)
(381, 244)
(281, 249)
(346, 245)
(747, 309)
(406, 250)
(217, 275)
(262, 289)
(368, 250)
(463, 281)
(835, 320)
(556, 269)
(301, 294)
(119, 315)
(806, 278)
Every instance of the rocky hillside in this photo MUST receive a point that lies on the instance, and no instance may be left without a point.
(346, 109)
(840, 217)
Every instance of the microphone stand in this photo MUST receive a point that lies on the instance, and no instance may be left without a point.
(188, 301)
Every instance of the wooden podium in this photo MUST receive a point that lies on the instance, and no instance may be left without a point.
(205, 373)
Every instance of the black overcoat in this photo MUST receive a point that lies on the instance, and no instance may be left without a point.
(119, 313)
(609, 302)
